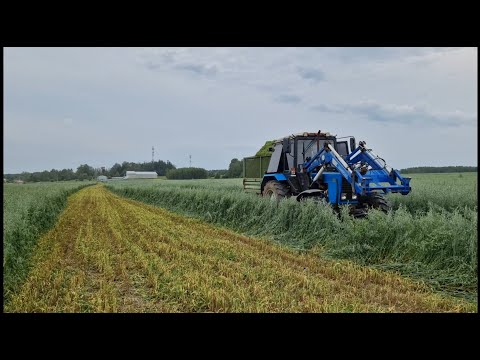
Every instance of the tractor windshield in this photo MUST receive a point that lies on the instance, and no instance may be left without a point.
(303, 144)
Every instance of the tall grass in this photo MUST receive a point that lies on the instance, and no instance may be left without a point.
(456, 191)
(436, 243)
(29, 210)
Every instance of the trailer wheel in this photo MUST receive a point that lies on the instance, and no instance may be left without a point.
(377, 201)
(275, 190)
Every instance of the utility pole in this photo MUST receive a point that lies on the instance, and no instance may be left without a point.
(190, 156)
(153, 153)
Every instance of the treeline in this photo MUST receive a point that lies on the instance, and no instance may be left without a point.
(187, 173)
(162, 168)
(438, 169)
(87, 172)
(217, 174)
(235, 170)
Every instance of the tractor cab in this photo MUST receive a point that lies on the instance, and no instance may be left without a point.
(290, 153)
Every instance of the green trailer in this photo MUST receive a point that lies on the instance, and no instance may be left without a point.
(254, 167)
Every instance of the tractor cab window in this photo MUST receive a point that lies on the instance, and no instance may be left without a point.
(303, 144)
(342, 148)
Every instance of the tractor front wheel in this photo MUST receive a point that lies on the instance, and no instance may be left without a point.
(376, 201)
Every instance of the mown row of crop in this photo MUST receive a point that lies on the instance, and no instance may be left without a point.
(437, 246)
(29, 211)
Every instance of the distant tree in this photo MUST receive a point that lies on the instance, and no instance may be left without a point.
(54, 175)
(115, 170)
(235, 169)
(66, 174)
(85, 172)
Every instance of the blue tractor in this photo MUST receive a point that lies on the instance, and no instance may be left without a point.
(322, 166)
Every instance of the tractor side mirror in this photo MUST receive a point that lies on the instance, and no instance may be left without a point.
(286, 146)
(353, 146)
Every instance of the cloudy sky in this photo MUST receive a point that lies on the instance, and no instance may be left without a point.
(68, 106)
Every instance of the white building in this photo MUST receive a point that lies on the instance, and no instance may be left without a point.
(141, 175)
(102, 178)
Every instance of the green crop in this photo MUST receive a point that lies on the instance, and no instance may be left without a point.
(29, 210)
(431, 235)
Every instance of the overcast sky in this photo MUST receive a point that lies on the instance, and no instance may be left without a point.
(68, 106)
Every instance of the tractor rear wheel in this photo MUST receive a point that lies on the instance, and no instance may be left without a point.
(377, 201)
(275, 190)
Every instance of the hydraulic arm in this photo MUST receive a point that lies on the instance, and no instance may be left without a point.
(362, 169)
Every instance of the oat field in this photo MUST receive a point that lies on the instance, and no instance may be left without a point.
(431, 236)
(110, 254)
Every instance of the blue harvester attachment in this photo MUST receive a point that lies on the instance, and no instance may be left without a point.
(366, 172)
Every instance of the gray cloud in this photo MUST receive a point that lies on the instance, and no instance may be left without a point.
(150, 65)
(199, 69)
(313, 74)
(405, 114)
(288, 99)
(326, 108)
(178, 60)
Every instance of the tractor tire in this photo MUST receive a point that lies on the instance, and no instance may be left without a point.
(377, 201)
(275, 190)
(358, 213)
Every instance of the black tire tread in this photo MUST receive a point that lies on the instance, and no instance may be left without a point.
(378, 201)
(280, 189)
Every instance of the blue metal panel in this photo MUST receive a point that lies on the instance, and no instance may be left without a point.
(280, 177)
(334, 182)
(277, 176)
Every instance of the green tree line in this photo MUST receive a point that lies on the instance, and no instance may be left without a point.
(87, 172)
(438, 169)
(187, 173)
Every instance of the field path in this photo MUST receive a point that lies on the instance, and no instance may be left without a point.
(110, 254)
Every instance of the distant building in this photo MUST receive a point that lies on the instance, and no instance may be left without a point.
(141, 175)
(102, 178)
(19, 182)
(117, 178)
